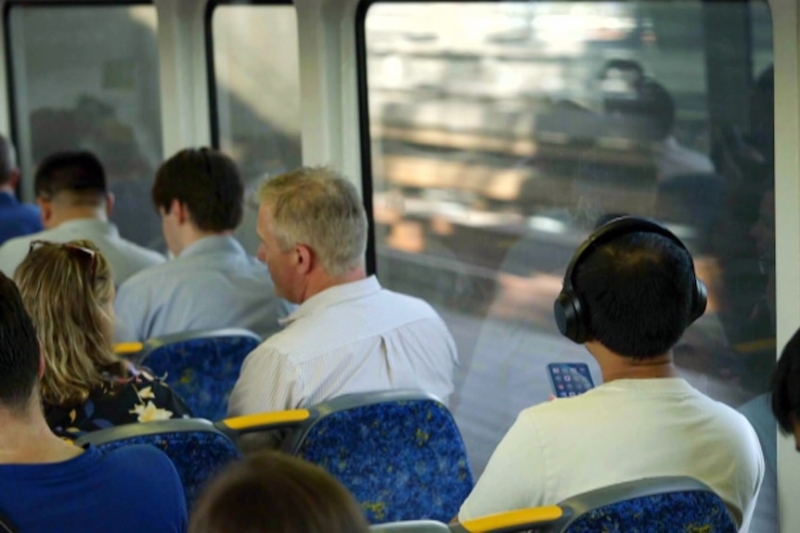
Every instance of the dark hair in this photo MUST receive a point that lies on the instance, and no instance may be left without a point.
(8, 161)
(272, 492)
(637, 292)
(658, 106)
(786, 384)
(76, 172)
(19, 349)
(208, 182)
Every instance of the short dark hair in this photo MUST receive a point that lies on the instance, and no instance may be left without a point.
(637, 291)
(658, 106)
(19, 349)
(786, 384)
(271, 492)
(78, 172)
(8, 160)
(208, 182)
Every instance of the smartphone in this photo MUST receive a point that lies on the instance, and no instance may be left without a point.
(569, 379)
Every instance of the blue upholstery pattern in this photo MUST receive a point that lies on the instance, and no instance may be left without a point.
(196, 455)
(401, 460)
(675, 512)
(202, 371)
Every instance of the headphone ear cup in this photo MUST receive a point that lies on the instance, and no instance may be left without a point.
(567, 311)
(699, 300)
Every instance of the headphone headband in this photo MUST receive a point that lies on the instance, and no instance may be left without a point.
(568, 308)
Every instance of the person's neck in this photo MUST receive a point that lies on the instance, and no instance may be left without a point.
(323, 281)
(26, 439)
(77, 213)
(192, 235)
(614, 366)
(8, 188)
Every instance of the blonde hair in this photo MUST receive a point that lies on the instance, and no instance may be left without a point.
(318, 207)
(67, 289)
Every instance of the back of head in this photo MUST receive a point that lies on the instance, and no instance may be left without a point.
(19, 349)
(318, 207)
(207, 182)
(276, 493)
(786, 385)
(77, 178)
(637, 290)
(8, 160)
(68, 291)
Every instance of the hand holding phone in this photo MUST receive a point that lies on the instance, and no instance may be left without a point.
(569, 379)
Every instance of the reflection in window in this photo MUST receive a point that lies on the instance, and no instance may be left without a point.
(87, 78)
(258, 93)
(501, 133)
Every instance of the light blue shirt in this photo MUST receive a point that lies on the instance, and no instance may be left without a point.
(212, 284)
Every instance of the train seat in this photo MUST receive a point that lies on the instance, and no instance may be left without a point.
(195, 447)
(399, 452)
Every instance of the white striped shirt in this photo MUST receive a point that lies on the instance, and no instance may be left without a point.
(355, 337)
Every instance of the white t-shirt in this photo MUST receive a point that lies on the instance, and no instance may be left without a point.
(621, 431)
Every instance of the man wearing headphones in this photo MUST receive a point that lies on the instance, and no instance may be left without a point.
(629, 293)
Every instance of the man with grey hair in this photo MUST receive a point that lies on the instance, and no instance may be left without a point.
(348, 334)
(16, 219)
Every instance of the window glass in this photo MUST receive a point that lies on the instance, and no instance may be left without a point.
(87, 78)
(502, 133)
(258, 94)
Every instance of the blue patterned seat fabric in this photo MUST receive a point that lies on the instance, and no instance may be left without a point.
(202, 371)
(197, 455)
(401, 460)
(676, 512)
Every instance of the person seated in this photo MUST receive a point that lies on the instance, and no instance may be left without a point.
(629, 292)
(270, 492)
(785, 389)
(48, 484)
(16, 219)
(212, 282)
(69, 292)
(73, 196)
(349, 334)
(629, 92)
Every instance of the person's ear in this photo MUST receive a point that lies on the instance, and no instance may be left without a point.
(13, 179)
(304, 258)
(109, 203)
(45, 210)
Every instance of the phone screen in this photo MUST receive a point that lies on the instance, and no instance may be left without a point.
(569, 379)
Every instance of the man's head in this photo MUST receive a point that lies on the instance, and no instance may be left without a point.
(19, 351)
(631, 287)
(197, 191)
(311, 222)
(9, 172)
(786, 388)
(71, 185)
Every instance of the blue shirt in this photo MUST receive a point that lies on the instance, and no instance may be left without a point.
(132, 489)
(212, 284)
(17, 219)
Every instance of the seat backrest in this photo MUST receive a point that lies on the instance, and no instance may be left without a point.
(195, 447)
(399, 453)
(650, 505)
(411, 526)
(202, 367)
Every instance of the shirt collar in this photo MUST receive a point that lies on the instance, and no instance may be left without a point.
(335, 295)
(215, 243)
(90, 225)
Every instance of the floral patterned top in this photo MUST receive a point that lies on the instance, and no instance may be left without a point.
(138, 397)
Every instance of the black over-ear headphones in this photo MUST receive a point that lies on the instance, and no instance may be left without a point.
(569, 311)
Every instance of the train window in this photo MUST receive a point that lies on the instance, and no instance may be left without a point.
(501, 133)
(86, 77)
(256, 82)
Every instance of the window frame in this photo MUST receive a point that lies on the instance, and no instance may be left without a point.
(13, 116)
